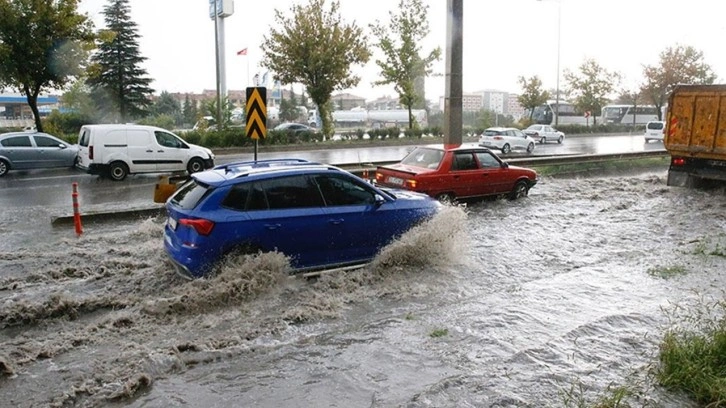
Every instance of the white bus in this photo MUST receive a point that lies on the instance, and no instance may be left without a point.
(629, 114)
(546, 114)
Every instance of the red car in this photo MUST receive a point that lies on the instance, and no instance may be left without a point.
(461, 172)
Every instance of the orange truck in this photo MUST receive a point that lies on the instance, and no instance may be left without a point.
(695, 134)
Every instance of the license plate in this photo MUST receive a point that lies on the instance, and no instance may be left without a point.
(172, 223)
(395, 180)
(486, 143)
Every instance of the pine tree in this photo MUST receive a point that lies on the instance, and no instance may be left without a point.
(187, 111)
(120, 85)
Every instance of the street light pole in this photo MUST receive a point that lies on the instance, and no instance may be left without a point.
(557, 89)
(557, 82)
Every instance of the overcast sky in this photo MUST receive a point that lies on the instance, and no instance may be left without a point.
(503, 39)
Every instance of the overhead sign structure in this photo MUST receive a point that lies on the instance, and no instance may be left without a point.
(256, 110)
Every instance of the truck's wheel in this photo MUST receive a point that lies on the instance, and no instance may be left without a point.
(195, 165)
(118, 171)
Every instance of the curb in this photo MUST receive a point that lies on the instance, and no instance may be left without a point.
(98, 217)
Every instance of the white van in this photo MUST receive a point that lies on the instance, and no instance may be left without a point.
(119, 150)
(654, 130)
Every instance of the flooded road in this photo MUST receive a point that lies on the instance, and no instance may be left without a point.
(545, 301)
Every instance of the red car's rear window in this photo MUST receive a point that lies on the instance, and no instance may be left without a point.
(424, 157)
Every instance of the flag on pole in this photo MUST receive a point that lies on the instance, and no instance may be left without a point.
(242, 52)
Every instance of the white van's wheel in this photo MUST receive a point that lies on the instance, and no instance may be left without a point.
(118, 171)
(195, 165)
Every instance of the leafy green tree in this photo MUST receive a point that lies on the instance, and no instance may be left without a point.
(316, 48)
(677, 65)
(210, 109)
(77, 98)
(43, 45)
(119, 83)
(288, 110)
(189, 110)
(399, 39)
(591, 87)
(166, 104)
(532, 94)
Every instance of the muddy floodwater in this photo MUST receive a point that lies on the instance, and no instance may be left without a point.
(548, 301)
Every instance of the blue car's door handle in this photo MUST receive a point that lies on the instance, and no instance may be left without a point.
(336, 221)
(272, 226)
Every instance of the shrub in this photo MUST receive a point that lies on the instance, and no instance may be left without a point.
(65, 125)
(192, 136)
(163, 121)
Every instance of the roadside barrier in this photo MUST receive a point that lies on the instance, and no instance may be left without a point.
(164, 189)
(76, 210)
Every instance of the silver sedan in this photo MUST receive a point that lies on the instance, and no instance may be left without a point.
(34, 150)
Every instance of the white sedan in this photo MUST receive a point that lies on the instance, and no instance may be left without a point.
(544, 133)
(506, 140)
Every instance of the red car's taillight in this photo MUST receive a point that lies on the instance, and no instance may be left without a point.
(202, 226)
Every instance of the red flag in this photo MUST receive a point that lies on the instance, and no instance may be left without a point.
(242, 52)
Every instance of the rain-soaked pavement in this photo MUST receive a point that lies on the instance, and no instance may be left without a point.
(545, 301)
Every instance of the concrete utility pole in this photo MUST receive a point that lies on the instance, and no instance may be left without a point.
(218, 11)
(454, 67)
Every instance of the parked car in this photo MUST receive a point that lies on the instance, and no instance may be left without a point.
(544, 133)
(320, 216)
(506, 140)
(294, 128)
(34, 150)
(117, 150)
(654, 130)
(450, 173)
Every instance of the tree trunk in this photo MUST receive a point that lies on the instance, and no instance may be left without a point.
(410, 117)
(327, 127)
(32, 97)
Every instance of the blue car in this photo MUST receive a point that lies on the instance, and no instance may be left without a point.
(320, 216)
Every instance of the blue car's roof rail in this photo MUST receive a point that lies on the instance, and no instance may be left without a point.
(252, 164)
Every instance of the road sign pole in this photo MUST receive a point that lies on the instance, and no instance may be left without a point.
(255, 149)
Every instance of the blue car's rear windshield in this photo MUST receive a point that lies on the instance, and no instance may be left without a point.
(189, 195)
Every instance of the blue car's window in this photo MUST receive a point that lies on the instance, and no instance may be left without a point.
(17, 141)
(339, 190)
(291, 192)
(237, 197)
(189, 195)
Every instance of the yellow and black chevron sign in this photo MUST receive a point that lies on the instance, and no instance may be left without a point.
(256, 110)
